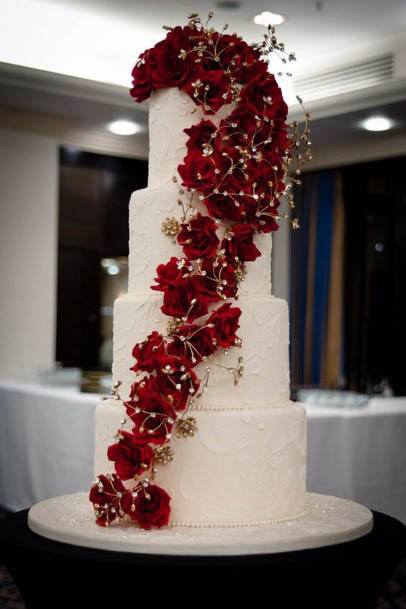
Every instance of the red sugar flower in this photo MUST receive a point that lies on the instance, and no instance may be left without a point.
(238, 243)
(192, 342)
(187, 299)
(166, 68)
(149, 507)
(171, 272)
(142, 85)
(150, 410)
(176, 380)
(263, 96)
(200, 136)
(219, 279)
(224, 207)
(225, 320)
(107, 495)
(132, 455)
(198, 171)
(214, 90)
(146, 352)
(198, 237)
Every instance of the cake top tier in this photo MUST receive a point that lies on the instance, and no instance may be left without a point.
(239, 148)
(171, 111)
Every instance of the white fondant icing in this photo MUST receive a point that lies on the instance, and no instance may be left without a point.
(265, 342)
(170, 112)
(247, 462)
(241, 466)
(150, 247)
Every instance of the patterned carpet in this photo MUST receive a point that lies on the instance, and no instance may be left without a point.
(394, 596)
(9, 596)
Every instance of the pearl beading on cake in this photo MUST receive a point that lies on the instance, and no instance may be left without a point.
(257, 523)
(225, 407)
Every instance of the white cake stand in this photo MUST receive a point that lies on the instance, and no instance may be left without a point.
(328, 521)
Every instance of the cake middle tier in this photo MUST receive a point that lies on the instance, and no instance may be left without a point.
(265, 341)
(149, 247)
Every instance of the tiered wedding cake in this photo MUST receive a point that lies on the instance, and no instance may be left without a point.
(246, 463)
(199, 430)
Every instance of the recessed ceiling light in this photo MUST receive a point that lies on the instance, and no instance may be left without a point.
(113, 269)
(123, 127)
(377, 123)
(267, 18)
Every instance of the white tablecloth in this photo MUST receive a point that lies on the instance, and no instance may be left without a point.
(360, 454)
(47, 444)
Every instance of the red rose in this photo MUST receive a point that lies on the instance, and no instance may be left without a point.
(198, 237)
(131, 455)
(198, 171)
(187, 299)
(107, 495)
(245, 123)
(141, 84)
(255, 68)
(232, 52)
(154, 425)
(266, 140)
(238, 243)
(224, 207)
(171, 272)
(201, 136)
(263, 96)
(142, 388)
(150, 507)
(168, 63)
(214, 90)
(150, 410)
(219, 279)
(192, 342)
(266, 217)
(176, 380)
(146, 352)
(145, 394)
(225, 320)
(236, 56)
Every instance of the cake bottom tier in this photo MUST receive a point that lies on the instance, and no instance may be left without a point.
(242, 467)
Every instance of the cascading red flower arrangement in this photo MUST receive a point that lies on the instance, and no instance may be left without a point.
(237, 172)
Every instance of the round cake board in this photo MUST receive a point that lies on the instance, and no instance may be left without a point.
(328, 521)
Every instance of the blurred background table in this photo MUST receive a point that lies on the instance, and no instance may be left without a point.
(47, 445)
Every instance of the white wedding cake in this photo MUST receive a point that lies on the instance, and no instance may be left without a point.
(199, 430)
(246, 464)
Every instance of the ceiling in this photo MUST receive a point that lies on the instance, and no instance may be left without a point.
(73, 58)
(100, 39)
(344, 129)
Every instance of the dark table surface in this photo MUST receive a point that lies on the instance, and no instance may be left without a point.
(53, 574)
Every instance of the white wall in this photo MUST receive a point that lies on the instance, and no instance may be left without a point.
(28, 252)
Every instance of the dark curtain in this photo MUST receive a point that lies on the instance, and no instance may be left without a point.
(316, 282)
(348, 267)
